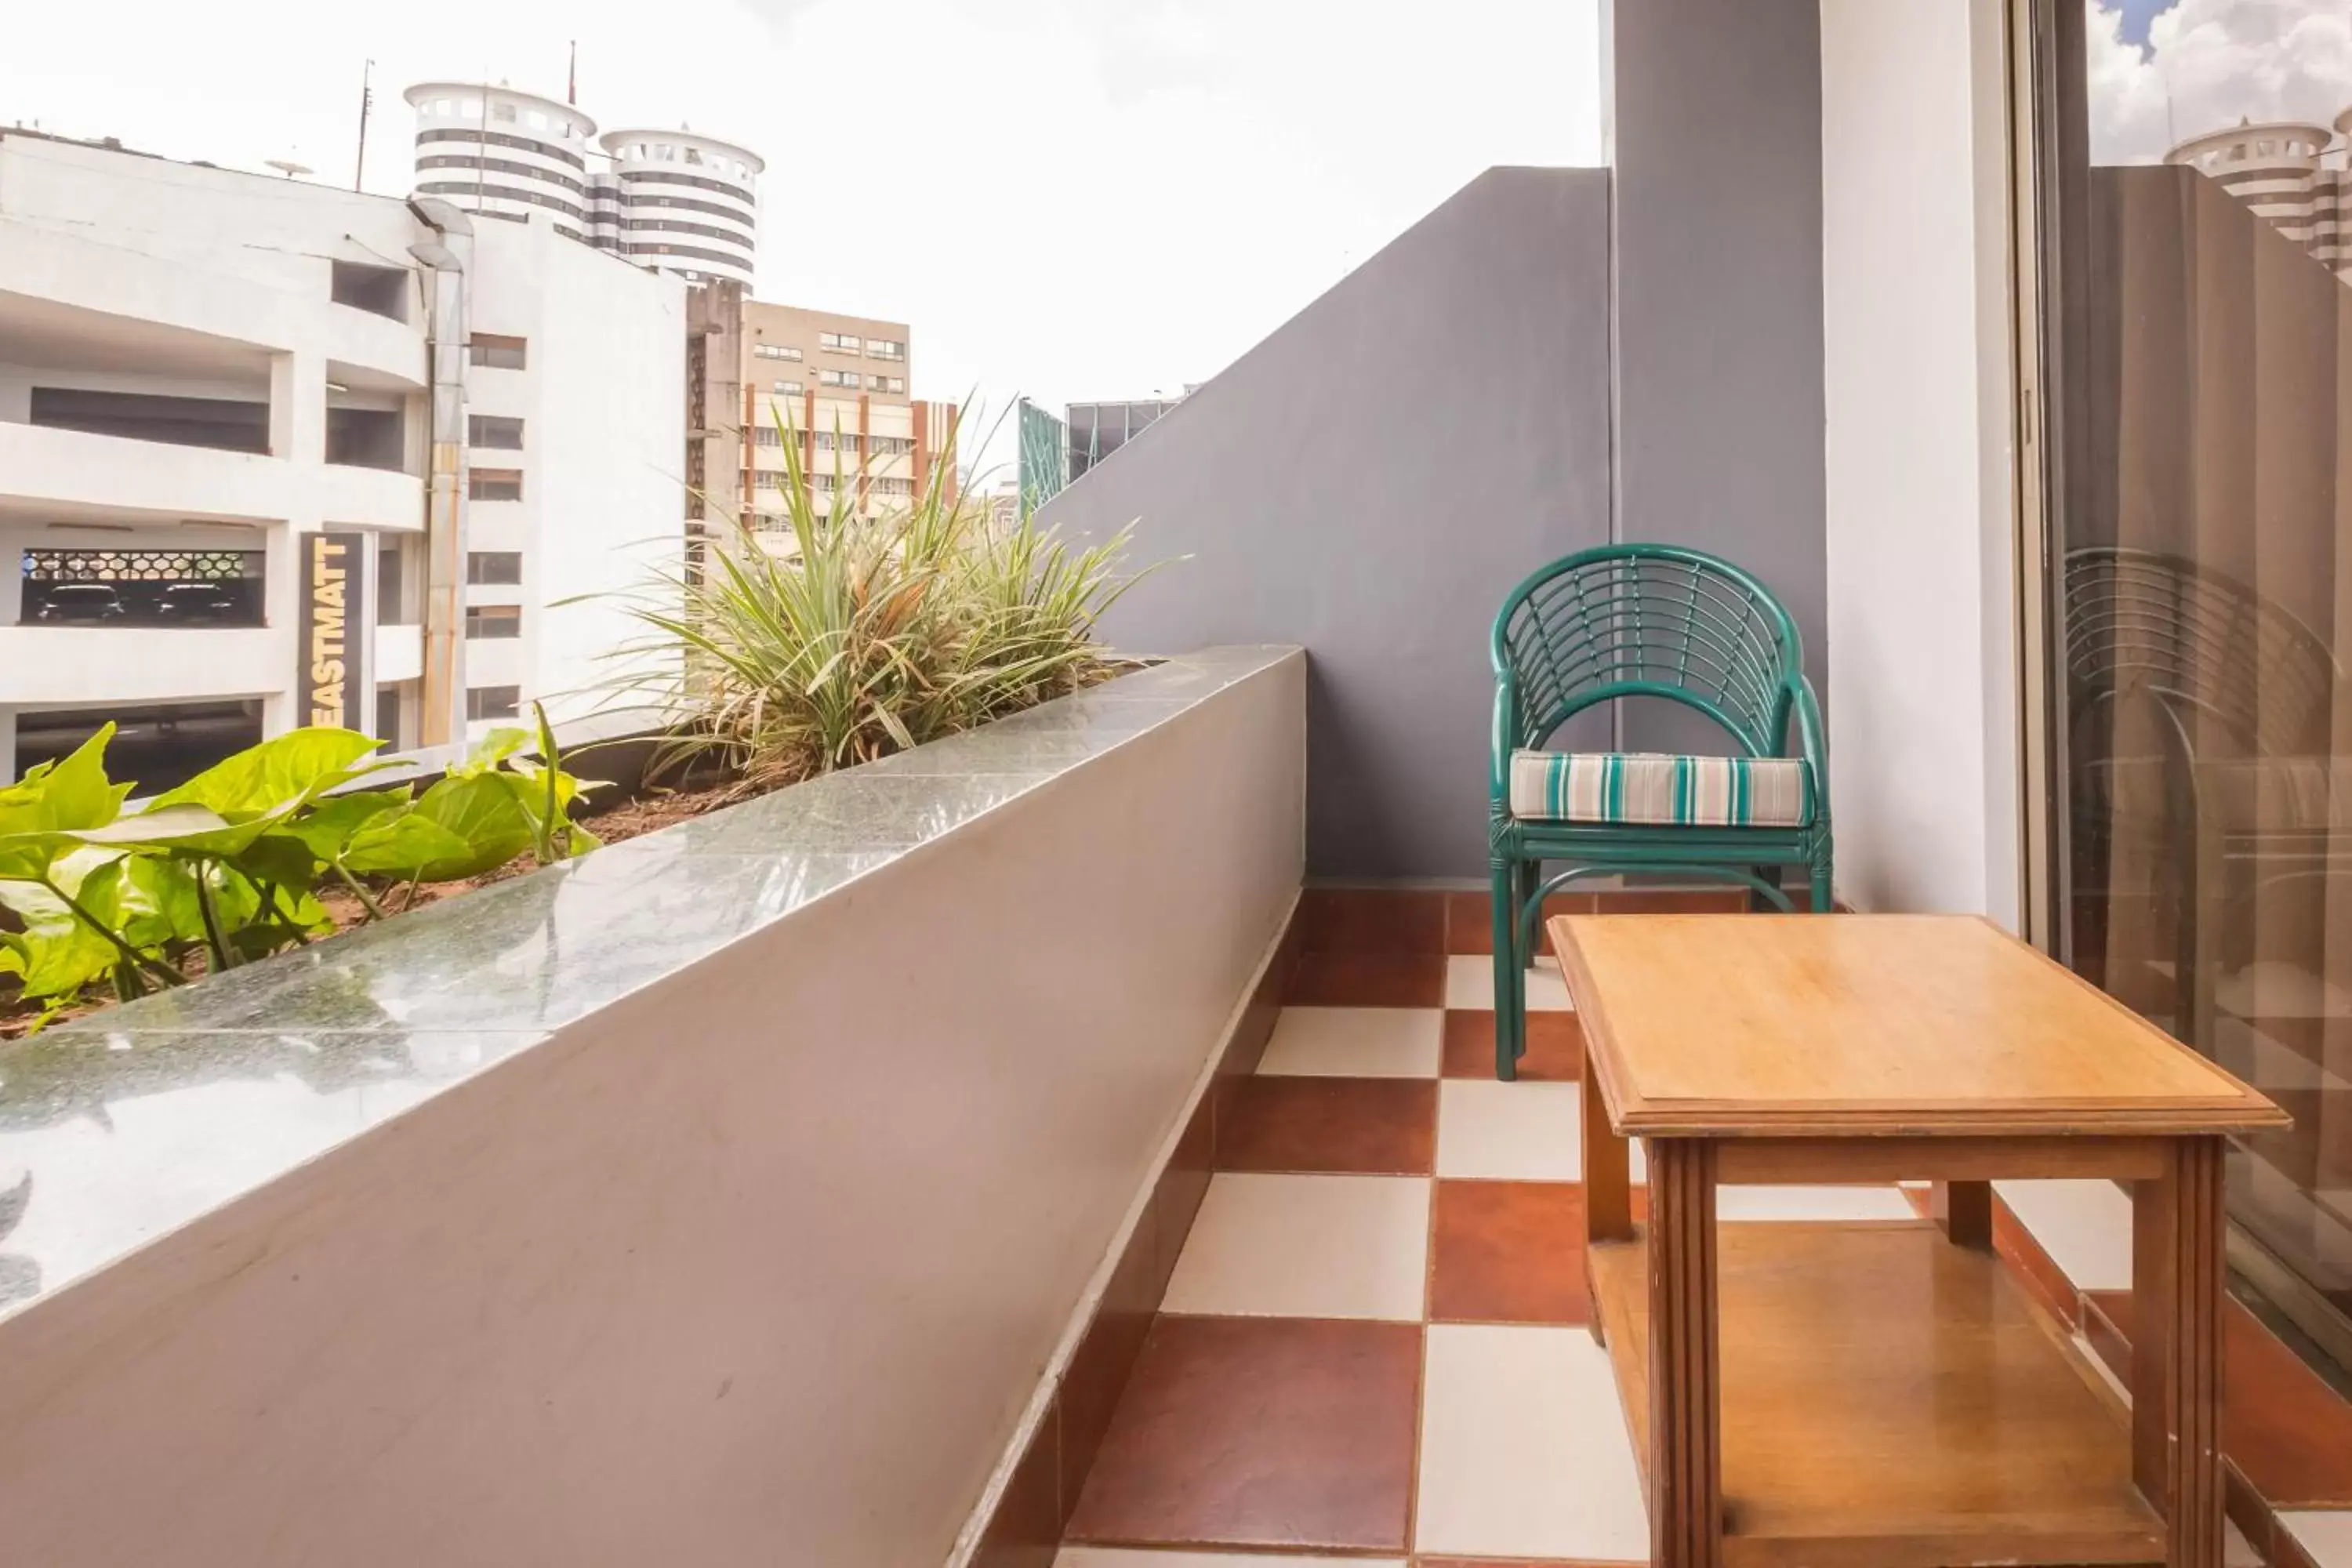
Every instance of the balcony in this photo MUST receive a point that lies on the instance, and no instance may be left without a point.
(76, 471)
(1078, 1142)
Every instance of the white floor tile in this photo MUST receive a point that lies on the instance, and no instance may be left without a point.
(2085, 1226)
(1121, 1557)
(1523, 1451)
(1356, 1042)
(1526, 1132)
(2237, 1551)
(1470, 985)
(1306, 1247)
(1827, 1203)
(2325, 1535)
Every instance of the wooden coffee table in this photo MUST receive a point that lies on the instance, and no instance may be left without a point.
(1881, 1394)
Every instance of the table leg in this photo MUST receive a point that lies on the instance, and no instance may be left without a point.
(1685, 1442)
(2177, 1244)
(1608, 1182)
(1964, 1210)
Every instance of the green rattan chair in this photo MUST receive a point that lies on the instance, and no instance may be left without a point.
(1658, 621)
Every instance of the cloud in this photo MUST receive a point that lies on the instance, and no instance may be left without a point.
(2209, 64)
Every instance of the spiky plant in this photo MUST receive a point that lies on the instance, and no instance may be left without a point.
(868, 635)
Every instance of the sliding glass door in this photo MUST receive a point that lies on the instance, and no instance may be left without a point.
(2191, 260)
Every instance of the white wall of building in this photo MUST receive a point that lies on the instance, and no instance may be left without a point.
(1923, 688)
(604, 408)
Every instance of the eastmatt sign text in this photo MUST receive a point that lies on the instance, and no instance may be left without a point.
(325, 681)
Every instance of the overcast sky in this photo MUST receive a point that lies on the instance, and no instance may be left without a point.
(2162, 71)
(1071, 198)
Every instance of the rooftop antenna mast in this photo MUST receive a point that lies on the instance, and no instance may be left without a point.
(571, 77)
(367, 101)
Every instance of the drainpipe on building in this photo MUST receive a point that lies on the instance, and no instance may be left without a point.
(441, 717)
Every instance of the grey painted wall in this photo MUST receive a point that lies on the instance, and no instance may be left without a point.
(1370, 481)
(1715, 138)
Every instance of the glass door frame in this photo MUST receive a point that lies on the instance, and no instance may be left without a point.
(2037, 66)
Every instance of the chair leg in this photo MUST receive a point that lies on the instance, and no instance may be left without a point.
(1820, 884)
(1757, 904)
(1528, 875)
(1507, 967)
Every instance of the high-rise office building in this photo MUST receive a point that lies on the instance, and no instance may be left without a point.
(2292, 174)
(673, 200)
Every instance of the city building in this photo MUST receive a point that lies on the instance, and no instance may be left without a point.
(684, 202)
(1042, 462)
(222, 400)
(1095, 430)
(836, 386)
(2292, 174)
(672, 200)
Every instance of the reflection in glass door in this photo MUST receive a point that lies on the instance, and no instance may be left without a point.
(2194, 261)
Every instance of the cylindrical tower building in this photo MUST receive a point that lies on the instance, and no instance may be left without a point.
(503, 153)
(691, 203)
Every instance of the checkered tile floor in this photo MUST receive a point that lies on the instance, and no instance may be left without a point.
(1371, 1348)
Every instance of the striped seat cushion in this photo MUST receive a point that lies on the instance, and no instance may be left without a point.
(1661, 791)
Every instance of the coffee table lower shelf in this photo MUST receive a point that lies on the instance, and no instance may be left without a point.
(1889, 1400)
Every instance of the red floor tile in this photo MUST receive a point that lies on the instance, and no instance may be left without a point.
(1261, 1432)
(1507, 1252)
(1470, 918)
(2285, 1430)
(1360, 1126)
(1371, 919)
(1672, 901)
(1368, 979)
(1555, 1047)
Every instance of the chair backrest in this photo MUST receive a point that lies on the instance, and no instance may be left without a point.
(1648, 620)
(2144, 623)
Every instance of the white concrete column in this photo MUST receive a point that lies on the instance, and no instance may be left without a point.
(12, 574)
(281, 600)
(297, 407)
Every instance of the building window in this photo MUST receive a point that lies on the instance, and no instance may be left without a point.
(836, 441)
(496, 352)
(789, 388)
(886, 383)
(837, 378)
(776, 350)
(838, 343)
(766, 436)
(892, 444)
(378, 290)
(494, 430)
(495, 484)
(493, 701)
(494, 566)
(505, 111)
(894, 487)
(491, 621)
(882, 348)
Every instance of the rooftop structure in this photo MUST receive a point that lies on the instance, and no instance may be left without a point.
(671, 200)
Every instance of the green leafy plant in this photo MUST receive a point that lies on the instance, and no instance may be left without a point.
(841, 638)
(229, 865)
